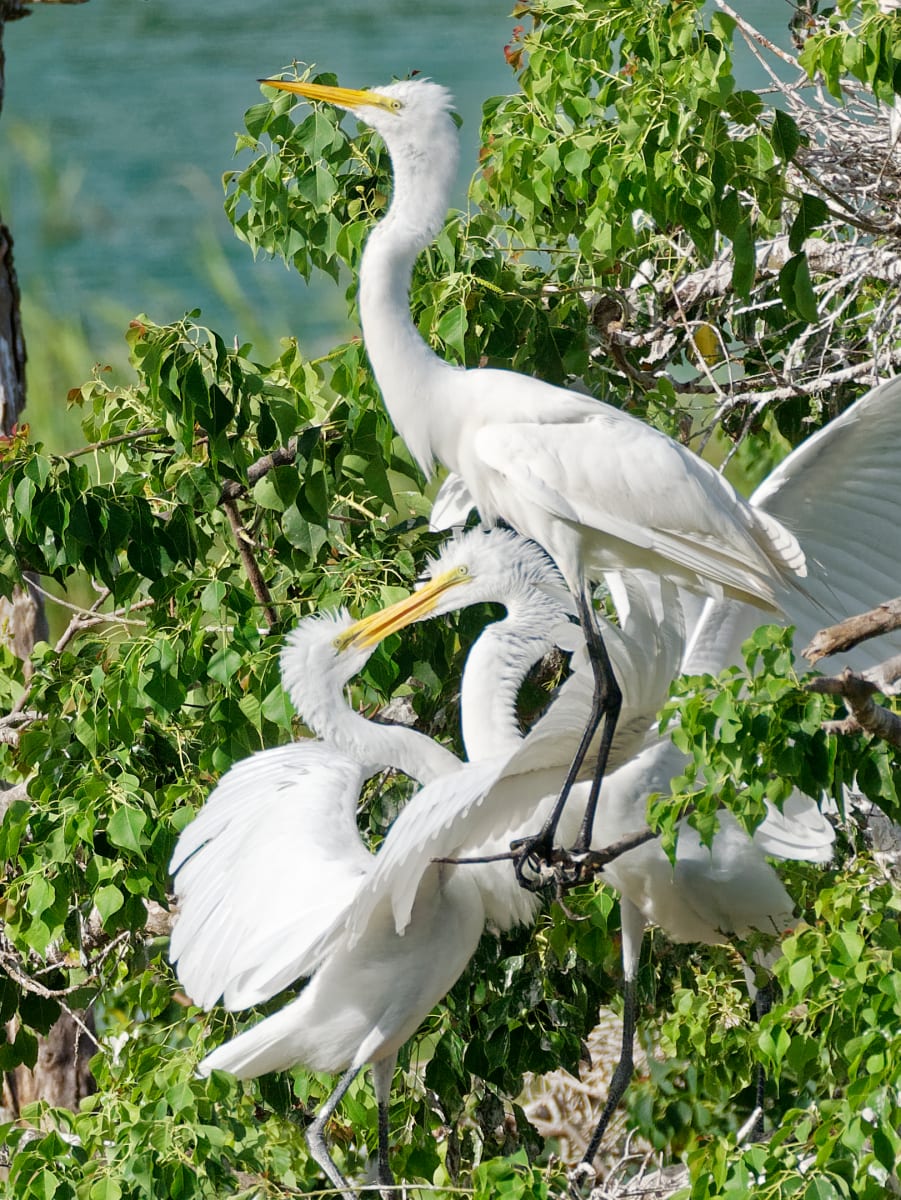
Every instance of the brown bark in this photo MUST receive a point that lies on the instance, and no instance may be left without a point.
(60, 1075)
(882, 619)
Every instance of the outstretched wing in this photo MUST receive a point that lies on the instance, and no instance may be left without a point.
(431, 826)
(270, 859)
(840, 494)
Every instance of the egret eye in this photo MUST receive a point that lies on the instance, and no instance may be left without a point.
(395, 105)
(463, 571)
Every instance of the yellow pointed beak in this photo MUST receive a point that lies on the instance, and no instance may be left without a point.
(351, 98)
(375, 628)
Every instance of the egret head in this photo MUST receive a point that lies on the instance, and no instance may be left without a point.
(495, 566)
(415, 113)
(318, 660)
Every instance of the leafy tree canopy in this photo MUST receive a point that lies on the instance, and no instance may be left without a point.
(218, 498)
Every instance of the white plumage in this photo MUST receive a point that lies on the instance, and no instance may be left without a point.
(598, 489)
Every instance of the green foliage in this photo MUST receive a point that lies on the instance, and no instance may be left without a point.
(755, 736)
(628, 142)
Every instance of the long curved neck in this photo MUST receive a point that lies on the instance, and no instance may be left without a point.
(406, 369)
(497, 664)
(373, 745)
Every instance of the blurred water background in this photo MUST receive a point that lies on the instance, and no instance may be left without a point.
(119, 120)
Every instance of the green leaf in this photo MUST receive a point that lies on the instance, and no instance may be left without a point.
(796, 288)
(213, 596)
(223, 664)
(451, 329)
(884, 1149)
(40, 896)
(108, 900)
(821, 1189)
(23, 496)
(24, 1049)
(106, 1189)
(800, 974)
(126, 829)
(786, 135)
(812, 212)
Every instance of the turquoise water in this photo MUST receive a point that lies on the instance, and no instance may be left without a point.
(136, 104)
(126, 111)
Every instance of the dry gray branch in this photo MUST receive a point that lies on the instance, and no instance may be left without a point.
(858, 692)
(846, 634)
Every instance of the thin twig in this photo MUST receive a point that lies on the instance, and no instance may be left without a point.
(257, 582)
(32, 985)
(150, 431)
(750, 32)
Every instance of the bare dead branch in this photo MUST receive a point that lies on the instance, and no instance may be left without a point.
(753, 35)
(853, 630)
(885, 675)
(846, 728)
(858, 693)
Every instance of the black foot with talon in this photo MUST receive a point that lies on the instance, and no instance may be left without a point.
(538, 864)
(533, 862)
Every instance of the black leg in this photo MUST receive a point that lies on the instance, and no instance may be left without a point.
(536, 852)
(763, 1002)
(316, 1135)
(607, 696)
(382, 1074)
(621, 1076)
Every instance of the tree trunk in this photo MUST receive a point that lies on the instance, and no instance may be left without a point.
(60, 1075)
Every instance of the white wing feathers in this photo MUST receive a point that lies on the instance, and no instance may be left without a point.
(452, 505)
(840, 493)
(799, 831)
(262, 869)
(709, 530)
(431, 827)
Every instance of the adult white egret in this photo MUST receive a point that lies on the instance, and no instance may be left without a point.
(598, 489)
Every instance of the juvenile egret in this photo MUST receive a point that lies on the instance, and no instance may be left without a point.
(238, 866)
(275, 854)
(598, 489)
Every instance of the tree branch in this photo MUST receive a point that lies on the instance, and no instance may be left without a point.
(150, 430)
(251, 566)
(285, 455)
(850, 632)
(858, 692)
